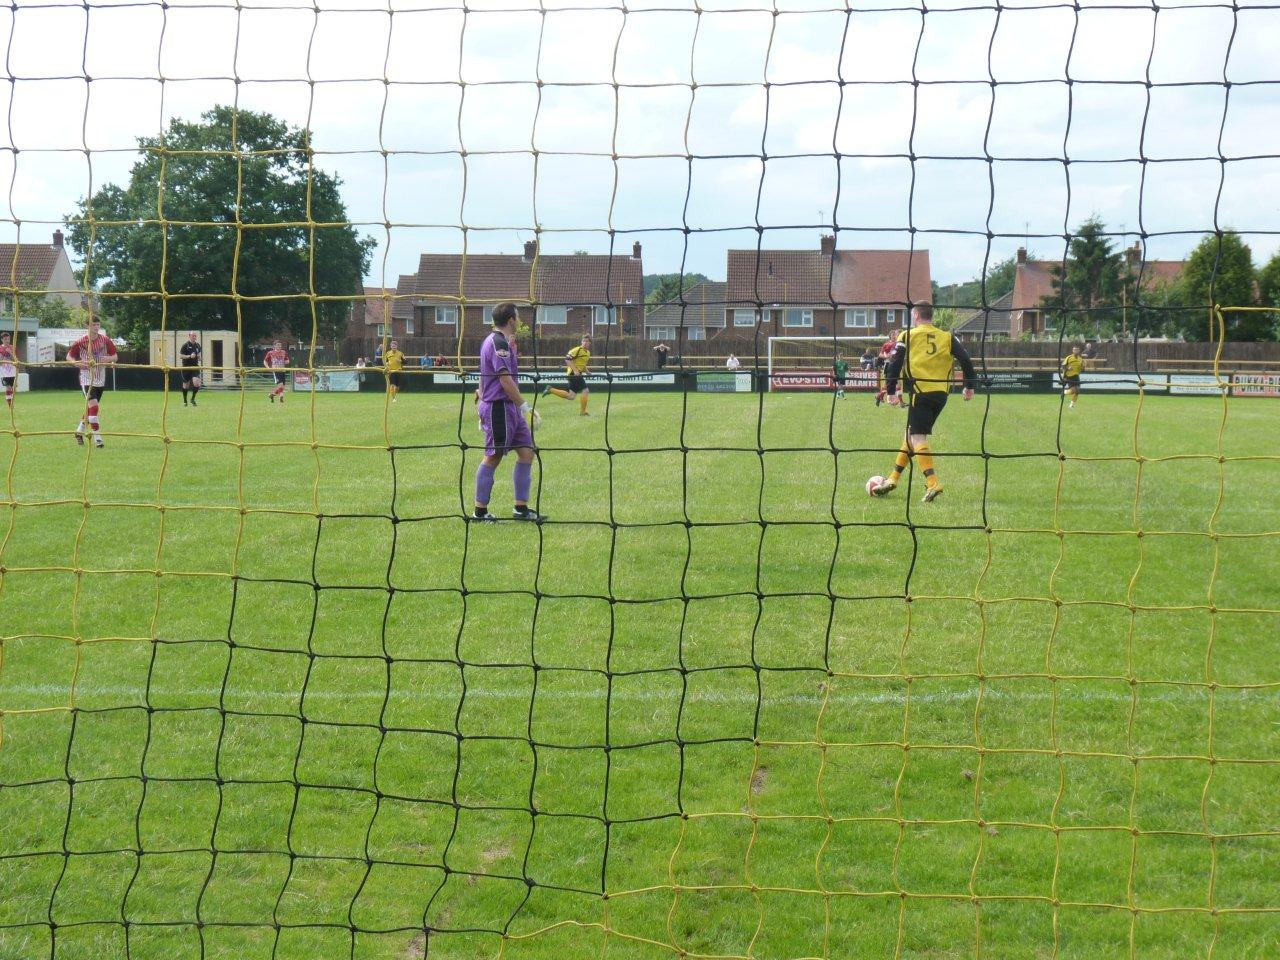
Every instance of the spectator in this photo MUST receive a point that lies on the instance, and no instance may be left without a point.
(660, 353)
(1090, 350)
(441, 361)
(424, 361)
(377, 356)
(733, 363)
(360, 364)
(868, 361)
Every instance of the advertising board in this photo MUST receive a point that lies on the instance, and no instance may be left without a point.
(724, 381)
(801, 380)
(1256, 385)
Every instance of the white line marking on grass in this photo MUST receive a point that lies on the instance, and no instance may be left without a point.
(1066, 696)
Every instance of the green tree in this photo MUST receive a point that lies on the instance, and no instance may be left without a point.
(173, 229)
(51, 311)
(1220, 271)
(665, 287)
(55, 312)
(1269, 292)
(1088, 292)
(1000, 277)
(944, 317)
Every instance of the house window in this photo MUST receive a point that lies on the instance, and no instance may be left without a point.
(797, 318)
(486, 313)
(696, 333)
(858, 318)
(384, 330)
(661, 333)
(408, 328)
(605, 316)
(447, 315)
(744, 318)
(553, 315)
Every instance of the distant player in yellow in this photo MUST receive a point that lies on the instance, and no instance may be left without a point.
(576, 362)
(924, 356)
(1071, 368)
(393, 360)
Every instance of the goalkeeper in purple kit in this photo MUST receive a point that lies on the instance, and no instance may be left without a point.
(504, 418)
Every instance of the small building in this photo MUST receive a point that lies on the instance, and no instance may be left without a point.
(30, 270)
(219, 353)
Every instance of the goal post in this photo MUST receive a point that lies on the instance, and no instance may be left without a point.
(807, 363)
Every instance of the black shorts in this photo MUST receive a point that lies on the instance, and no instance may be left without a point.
(577, 382)
(924, 411)
(8, 381)
(189, 374)
(1071, 383)
(394, 379)
(280, 377)
(94, 393)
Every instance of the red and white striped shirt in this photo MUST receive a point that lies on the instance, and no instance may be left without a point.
(94, 355)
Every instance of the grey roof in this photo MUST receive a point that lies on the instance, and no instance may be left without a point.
(994, 321)
(704, 306)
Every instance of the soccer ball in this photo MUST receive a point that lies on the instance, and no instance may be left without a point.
(872, 484)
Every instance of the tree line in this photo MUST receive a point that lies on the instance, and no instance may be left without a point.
(1099, 292)
(225, 223)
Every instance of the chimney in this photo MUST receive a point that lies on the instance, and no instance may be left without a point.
(1022, 254)
(1133, 255)
(827, 245)
(530, 250)
(635, 250)
(57, 239)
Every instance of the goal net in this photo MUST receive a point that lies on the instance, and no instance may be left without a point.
(809, 363)
(289, 671)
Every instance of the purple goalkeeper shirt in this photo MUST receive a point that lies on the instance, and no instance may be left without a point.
(497, 354)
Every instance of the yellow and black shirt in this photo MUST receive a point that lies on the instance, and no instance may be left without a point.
(577, 359)
(1072, 366)
(924, 357)
(393, 360)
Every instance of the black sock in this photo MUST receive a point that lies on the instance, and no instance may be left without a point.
(194, 391)
(184, 394)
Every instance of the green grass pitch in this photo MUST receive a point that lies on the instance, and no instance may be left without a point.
(346, 749)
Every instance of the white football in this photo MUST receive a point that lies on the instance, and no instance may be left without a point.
(872, 484)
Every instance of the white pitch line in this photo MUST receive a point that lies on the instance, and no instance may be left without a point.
(1066, 696)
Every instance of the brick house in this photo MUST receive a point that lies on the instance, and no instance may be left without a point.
(376, 314)
(701, 316)
(1022, 310)
(40, 267)
(566, 295)
(824, 292)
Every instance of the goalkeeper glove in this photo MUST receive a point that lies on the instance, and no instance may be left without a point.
(534, 417)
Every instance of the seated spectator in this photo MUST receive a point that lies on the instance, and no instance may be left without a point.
(868, 361)
(424, 361)
(441, 361)
(733, 363)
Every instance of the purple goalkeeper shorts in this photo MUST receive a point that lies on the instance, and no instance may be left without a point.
(504, 426)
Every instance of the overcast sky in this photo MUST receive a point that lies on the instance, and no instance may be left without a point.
(687, 84)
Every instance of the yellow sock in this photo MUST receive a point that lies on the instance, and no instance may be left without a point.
(925, 458)
(582, 403)
(900, 464)
(562, 394)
